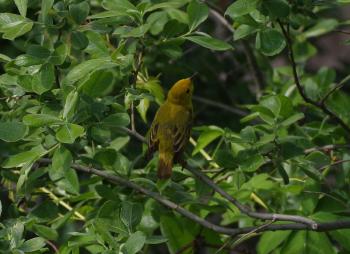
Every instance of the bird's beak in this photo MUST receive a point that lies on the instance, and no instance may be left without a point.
(193, 76)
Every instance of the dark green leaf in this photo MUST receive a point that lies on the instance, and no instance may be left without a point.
(69, 132)
(270, 42)
(209, 42)
(241, 7)
(13, 26)
(12, 131)
(197, 14)
(79, 11)
(134, 243)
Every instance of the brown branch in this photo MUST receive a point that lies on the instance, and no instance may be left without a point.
(138, 60)
(253, 65)
(300, 88)
(335, 88)
(341, 224)
(258, 215)
(220, 105)
(53, 246)
(326, 148)
(333, 164)
(264, 216)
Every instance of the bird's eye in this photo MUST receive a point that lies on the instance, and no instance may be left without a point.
(188, 91)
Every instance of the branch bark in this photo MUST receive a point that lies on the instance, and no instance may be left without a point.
(334, 225)
(300, 88)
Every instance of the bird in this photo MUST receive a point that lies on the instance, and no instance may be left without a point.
(171, 128)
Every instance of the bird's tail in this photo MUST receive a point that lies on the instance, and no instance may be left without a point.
(165, 165)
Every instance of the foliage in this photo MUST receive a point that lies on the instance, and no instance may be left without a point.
(72, 73)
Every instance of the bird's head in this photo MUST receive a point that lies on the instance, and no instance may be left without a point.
(181, 92)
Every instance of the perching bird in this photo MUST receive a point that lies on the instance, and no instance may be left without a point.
(171, 127)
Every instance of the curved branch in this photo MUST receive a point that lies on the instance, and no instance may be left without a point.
(334, 225)
(300, 88)
(264, 216)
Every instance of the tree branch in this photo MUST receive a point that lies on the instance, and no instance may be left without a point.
(335, 88)
(300, 88)
(264, 216)
(326, 148)
(340, 224)
(257, 75)
(220, 105)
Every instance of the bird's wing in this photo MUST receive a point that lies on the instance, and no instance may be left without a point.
(152, 139)
(182, 134)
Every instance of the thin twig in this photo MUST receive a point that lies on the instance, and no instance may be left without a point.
(300, 87)
(250, 234)
(53, 246)
(62, 203)
(333, 164)
(342, 31)
(139, 57)
(264, 216)
(253, 65)
(326, 226)
(335, 88)
(326, 148)
(220, 105)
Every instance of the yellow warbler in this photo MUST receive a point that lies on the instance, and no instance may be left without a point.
(171, 127)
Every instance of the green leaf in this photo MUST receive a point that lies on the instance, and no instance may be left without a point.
(99, 84)
(116, 120)
(79, 11)
(4, 58)
(197, 14)
(252, 163)
(131, 214)
(20, 159)
(142, 108)
(165, 5)
(122, 5)
(156, 239)
(13, 26)
(322, 27)
(69, 132)
(33, 244)
(269, 241)
(44, 80)
(38, 51)
(39, 120)
(243, 31)
(134, 243)
(318, 243)
(241, 7)
(22, 6)
(270, 42)
(209, 42)
(275, 8)
(45, 9)
(283, 173)
(61, 161)
(206, 137)
(86, 68)
(296, 243)
(12, 131)
(79, 40)
(119, 143)
(294, 118)
(173, 230)
(45, 232)
(70, 104)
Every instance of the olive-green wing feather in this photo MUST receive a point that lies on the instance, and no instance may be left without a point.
(152, 140)
(182, 135)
